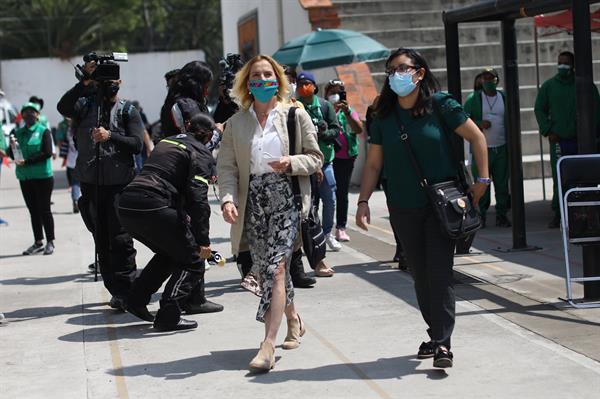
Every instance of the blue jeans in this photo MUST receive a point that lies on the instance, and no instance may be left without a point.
(327, 195)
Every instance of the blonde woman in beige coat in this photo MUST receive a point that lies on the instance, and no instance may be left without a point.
(255, 168)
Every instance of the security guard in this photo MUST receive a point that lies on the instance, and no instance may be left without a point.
(166, 208)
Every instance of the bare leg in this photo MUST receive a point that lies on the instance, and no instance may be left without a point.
(274, 315)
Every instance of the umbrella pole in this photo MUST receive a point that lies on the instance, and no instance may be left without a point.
(537, 82)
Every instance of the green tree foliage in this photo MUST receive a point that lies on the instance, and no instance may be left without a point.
(65, 28)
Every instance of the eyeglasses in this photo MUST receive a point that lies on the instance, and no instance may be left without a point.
(402, 68)
(335, 82)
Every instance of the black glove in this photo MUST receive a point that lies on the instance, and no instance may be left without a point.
(321, 126)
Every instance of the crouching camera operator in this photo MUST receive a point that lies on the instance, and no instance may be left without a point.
(108, 132)
(166, 208)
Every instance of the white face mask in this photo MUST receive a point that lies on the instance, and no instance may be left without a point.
(334, 98)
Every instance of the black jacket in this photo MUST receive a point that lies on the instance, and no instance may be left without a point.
(177, 174)
(171, 122)
(116, 155)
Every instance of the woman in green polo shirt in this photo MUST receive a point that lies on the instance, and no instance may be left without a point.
(34, 172)
(408, 95)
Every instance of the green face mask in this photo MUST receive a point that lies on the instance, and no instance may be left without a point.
(489, 86)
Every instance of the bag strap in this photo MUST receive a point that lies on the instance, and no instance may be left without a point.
(411, 155)
(462, 176)
(291, 128)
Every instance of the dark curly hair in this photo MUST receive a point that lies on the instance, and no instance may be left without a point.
(201, 126)
(429, 85)
(192, 79)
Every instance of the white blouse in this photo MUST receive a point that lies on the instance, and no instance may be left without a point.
(266, 145)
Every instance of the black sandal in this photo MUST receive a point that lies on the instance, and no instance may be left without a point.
(442, 358)
(426, 350)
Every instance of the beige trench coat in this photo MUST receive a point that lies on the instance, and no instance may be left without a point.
(233, 161)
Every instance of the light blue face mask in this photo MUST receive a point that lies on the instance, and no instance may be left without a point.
(402, 83)
(263, 90)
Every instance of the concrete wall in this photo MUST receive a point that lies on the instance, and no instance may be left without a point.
(295, 22)
(48, 78)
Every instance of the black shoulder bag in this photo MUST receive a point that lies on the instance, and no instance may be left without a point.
(313, 238)
(451, 204)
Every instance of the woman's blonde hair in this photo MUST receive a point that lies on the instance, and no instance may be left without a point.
(241, 93)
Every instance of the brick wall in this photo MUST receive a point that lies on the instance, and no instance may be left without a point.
(360, 87)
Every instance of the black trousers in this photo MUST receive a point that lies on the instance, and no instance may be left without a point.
(115, 246)
(342, 169)
(37, 193)
(392, 225)
(176, 256)
(430, 255)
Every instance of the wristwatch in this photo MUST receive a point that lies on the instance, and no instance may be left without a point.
(484, 180)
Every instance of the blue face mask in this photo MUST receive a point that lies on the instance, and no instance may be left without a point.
(402, 83)
(263, 90)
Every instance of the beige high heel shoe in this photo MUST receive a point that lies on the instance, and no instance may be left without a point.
(264, 359)
(295, 331)
(322, 270)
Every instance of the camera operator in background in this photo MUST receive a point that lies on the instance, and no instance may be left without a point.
(325, 119)
(226, 107)
(119, 138)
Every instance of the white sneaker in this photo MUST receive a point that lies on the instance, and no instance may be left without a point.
(332, 243)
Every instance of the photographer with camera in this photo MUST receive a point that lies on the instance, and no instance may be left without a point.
(226, 107)
(343, 163)
(325, 120)
(108, 132)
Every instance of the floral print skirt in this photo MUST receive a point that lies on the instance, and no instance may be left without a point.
(272, 223)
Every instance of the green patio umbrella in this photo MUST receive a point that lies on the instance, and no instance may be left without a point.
(330, 47)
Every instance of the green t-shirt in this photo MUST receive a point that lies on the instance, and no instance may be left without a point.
(429, 144)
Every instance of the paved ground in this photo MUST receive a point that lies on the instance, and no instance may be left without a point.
(514, 337)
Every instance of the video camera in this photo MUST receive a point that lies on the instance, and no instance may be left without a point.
(230, 65)
(105, 70)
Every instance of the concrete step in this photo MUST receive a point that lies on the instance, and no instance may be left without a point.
(532, 166)
(392, 20)
(527, 74)
(491, 52)
(353, 7)
(435, 35)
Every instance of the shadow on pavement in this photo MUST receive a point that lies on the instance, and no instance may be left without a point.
(380, 369)
(50, 311)
(109, 333)
(235, 360)
(393, 282)
(76, 278)
(216, 361)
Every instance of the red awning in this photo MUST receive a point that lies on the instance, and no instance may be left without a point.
(564, 21)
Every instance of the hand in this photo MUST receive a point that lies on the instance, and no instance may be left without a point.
(484, 124)
(321, 126)
(204, 252)
(220, 127)
(100, 134)
(343, 105)
(553, 138)
(363, 216)
(319, 176)
(283, 165)
(230, 213)
(20, 163)
(477, 190)
(89, 68)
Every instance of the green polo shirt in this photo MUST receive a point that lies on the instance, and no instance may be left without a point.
(430, 145)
